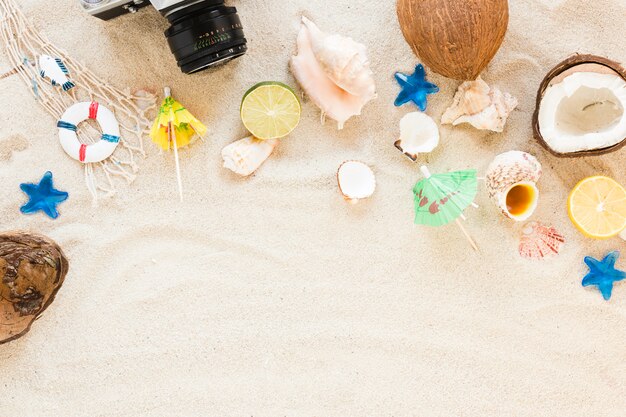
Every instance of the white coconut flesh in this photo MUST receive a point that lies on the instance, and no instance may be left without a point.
(418, 134)
(585, 111)
(356, 180)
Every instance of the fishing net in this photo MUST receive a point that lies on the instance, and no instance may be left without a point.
(24, 45)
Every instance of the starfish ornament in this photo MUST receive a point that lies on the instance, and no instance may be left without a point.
(415, 88)
(43, 196)
(603, 273)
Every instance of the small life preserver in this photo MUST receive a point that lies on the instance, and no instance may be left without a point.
(95, 152)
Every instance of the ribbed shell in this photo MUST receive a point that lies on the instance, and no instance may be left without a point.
(539, 241)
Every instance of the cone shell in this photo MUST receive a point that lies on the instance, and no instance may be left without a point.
(246, 155)
(510, 169)
(539, 241)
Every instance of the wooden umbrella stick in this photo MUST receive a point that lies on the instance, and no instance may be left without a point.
(173, 138)
(469, 238)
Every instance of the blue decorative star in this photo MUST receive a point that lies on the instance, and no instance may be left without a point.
(415, 88)
(603, 273)
(43, 196)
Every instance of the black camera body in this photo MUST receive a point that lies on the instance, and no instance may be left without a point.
(202, 33)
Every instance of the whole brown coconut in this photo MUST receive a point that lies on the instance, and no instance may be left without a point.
(33, 269)
(455, 38)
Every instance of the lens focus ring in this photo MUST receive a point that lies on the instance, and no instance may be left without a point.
(206, 36)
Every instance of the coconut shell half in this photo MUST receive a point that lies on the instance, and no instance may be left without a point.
(576, 63)
(32, 268)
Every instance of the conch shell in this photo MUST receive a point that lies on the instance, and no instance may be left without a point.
(511, 182)
(483, 107)
(246, 155)
(334, 72)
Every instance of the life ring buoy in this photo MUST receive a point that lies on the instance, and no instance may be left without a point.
(95, 152)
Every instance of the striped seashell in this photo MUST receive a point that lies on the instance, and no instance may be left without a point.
(539, 241)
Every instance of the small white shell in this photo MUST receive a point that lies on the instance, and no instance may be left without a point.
(539, 241)
(334, 72)
(356, 181)
(246, 155)
(483, 107)
(418, 134)
(512, 172)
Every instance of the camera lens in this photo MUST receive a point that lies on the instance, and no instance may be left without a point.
(204, 34)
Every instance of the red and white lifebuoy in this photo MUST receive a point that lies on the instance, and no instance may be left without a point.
(95, 152)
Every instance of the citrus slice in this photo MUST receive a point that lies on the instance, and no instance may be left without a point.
(270, 110)
(597, 207)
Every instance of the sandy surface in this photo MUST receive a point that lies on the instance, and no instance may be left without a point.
(271, 296)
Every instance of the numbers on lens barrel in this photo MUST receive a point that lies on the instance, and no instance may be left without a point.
(211, 40)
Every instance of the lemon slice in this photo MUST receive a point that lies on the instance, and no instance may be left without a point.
(597, 207)
(270, 110)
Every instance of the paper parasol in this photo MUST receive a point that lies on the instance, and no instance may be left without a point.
(441, 198)
(174, 128)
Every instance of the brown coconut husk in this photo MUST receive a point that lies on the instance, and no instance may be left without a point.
(576, 63)
(454, 38)
(33, 269)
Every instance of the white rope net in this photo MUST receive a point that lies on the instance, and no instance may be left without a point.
(24, 45)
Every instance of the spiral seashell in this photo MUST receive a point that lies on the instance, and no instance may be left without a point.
(511, 182)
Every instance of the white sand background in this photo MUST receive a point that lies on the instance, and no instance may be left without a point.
(270, 296)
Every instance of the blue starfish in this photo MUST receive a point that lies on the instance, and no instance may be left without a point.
(43, 196)
(603, 273)
(415, 88)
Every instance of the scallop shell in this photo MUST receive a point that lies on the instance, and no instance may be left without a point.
(356, 181)
(334, 71)
(539, 241)
(483, 107)
(510, 169)
(246, 155)
(418, 134)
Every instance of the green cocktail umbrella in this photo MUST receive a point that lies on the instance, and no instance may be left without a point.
(441, 198)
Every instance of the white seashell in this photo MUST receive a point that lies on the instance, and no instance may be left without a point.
(539, 241)
(483, 107)
(334, 72)
(511, 182)
(246, 155)
(356, 181)
(418, 134)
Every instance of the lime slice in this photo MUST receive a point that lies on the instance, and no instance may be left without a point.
(270, 110)
(597, 207)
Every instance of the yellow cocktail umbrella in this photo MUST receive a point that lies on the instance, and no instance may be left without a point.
(175, 128)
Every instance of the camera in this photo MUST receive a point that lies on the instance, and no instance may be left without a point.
(202, 33)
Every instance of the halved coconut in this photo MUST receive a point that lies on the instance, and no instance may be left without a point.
(356, 181)
(418, 134)
(581, 107)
